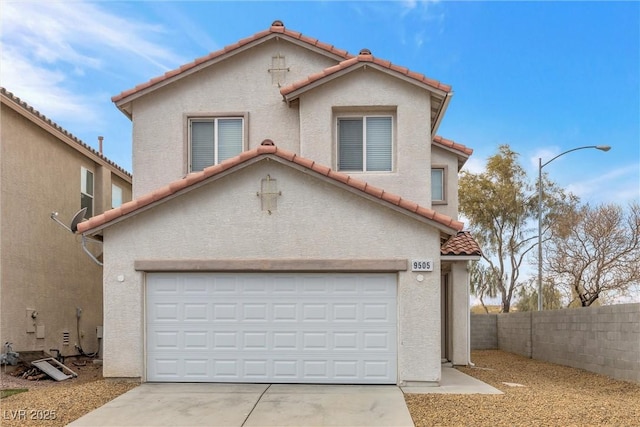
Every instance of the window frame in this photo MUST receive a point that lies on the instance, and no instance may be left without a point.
(84, 173)
(444, 169)
(364, 116)
(121, 190)
(211, 117)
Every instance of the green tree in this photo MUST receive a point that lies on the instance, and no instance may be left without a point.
(483, 280)
(594, 252)
(528, 296)
(501, 210)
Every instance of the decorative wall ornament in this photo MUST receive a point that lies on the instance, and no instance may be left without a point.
(269, 194)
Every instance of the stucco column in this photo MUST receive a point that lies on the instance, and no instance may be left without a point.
(460, 312)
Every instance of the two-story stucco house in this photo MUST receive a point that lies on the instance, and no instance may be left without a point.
(50, 290)
(294, 220)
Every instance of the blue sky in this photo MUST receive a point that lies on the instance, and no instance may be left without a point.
(543, 77)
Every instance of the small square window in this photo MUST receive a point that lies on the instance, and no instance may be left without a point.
(365, 143)
(213, 140)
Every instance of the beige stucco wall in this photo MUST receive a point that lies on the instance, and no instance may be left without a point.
(42, 266)
(442, 157)
(240, 84)
(314, 220)
(459, 291)
(370, 91)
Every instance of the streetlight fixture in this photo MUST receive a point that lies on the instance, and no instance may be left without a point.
(540, 166)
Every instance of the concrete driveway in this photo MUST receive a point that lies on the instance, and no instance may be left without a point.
(253, 405)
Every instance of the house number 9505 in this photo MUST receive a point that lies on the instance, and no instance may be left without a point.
(421, 265)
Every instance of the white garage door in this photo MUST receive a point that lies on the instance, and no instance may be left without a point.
(282, 328)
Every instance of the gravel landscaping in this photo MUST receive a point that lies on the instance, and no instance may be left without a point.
(539, 394)
(52, 403)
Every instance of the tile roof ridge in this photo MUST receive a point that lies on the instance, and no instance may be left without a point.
(273, 29)
(364, 56)
(28, 108)
(266, 148)
(453, 145)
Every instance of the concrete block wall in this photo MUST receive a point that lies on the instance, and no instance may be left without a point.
(604, 340)
(514, 333)
(484, 331)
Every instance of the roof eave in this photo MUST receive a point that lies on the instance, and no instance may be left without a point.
(291, 96)
(205, 62)
(460, 257)
(462, 157)
(445, 104)
(62, 134)
(447, 229)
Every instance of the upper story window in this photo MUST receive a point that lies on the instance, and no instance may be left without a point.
(116, 196)
(215, 139)
(438, 188)
(86, 191)
(365, 143)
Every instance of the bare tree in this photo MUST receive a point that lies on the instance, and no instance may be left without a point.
(501, 209)
(595, 252)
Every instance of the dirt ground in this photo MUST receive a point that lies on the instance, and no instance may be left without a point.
(540, 394)
(51, 403)
(545, 395)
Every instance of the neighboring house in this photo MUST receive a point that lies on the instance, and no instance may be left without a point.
(288, 198)
(46, 279)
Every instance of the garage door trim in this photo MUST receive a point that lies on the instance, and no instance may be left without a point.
(270, 265)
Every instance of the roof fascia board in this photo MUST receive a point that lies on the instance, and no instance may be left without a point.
(460, 257)
(296, 93)
(63, 137)
(222, 57)
(311, 47)
(271, 265)
(450, 149)
(447, 230)
(190, 188)
(462, 157)
(443, 110)
(441, 227)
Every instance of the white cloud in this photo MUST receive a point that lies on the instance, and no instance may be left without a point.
(49, 48)
(43, 88)
(611, 187)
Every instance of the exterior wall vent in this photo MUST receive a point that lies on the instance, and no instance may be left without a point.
(65, 338)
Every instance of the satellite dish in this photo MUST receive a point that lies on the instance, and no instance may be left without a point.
(77, 219)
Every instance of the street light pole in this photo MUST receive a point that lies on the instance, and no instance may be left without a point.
(540, 166)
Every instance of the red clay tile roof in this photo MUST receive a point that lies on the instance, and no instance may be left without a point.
(276, 153)
(461, 244)
(358, 60)
(453, 145)
(48, 122)
(275, 29)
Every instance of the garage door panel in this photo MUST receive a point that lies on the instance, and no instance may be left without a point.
(225, 312)
(316, 328)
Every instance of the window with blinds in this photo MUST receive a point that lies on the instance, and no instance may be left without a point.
(214, 140)
(365, 143)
